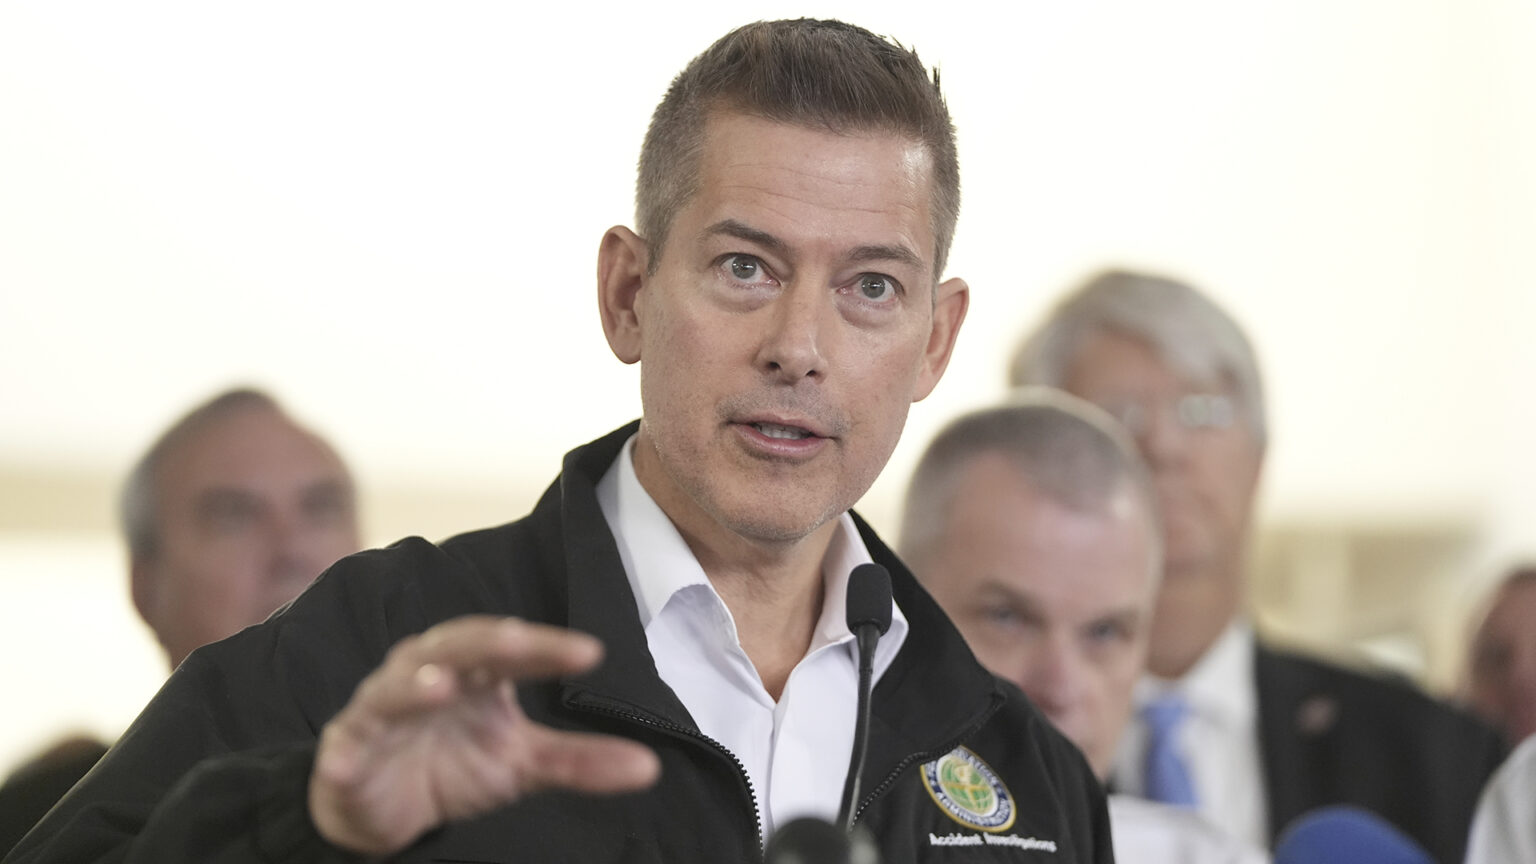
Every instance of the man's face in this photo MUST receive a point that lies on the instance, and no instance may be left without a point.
(789, 323)
(250, 510)
(1056, 600)
(1205, 474)
(1503, 685)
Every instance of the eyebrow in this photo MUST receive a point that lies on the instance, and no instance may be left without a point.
(899, 254)
(1124, 615)
(743, 231)
(216, 497)
(996, 588)
(329, 487)
(860, 254)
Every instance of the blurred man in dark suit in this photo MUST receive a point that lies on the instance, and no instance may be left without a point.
(231, 513)
(1034, 525)
(1266, 734)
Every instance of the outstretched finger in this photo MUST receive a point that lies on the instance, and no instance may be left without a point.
(515, 648)
(590, 763)
(473, 653)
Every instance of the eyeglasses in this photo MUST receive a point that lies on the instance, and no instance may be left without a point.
(1192, 412)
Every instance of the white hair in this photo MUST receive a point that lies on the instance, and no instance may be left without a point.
(1194, 335)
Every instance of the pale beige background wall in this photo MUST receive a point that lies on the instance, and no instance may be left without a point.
(388, 214)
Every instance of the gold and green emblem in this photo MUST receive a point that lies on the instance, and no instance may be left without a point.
(969, 791)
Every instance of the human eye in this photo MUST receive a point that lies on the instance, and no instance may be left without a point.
(1107, 632)
(999, 614)
(227, 513)
(876, 288)
(1004, 617)
(748, 269)
(328, 504)
(1205, 411)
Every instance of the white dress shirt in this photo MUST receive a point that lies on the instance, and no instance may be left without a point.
(1219, 737)
(1147, 832)
(1504, 829)
(796, 750)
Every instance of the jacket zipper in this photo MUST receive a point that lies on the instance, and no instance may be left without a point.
(692, 734)
(927, 756)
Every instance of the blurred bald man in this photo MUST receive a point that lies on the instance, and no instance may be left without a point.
(1265, 735)
(1034, 525)
(232, 512)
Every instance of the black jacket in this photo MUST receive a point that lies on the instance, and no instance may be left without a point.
(1332, 735)
(215, 769)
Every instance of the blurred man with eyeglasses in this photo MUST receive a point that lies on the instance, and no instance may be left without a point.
(1249, 735)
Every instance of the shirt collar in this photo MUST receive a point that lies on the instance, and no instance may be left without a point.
(1220, 684)
(659, 563)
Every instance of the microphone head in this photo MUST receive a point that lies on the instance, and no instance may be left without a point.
(869, 598)
(1339, 834)
(809, 840)
(806, 841)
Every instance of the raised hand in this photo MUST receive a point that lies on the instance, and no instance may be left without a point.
(435, 734)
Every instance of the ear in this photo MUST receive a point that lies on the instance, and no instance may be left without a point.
(621, 265)
(141, 583)
(952, 300)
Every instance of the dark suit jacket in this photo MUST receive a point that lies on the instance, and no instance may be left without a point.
(1331, 735)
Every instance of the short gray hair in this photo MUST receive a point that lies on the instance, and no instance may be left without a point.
(824, 75)
(1067, 449)
(138, 503)
(1194, 335)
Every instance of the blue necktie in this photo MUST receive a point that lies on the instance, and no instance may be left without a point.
(1167, 777)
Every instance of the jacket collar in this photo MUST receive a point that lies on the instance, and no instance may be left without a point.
(933, 692)
(599, 596)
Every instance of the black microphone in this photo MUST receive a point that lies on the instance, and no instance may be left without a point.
(869, 616)
(809, 840)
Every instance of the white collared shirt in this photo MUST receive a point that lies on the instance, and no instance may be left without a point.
(1146, 832)
(1504, 829)
(795, 751)
(1219, 737)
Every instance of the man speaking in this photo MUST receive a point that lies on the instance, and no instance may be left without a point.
(797, 195)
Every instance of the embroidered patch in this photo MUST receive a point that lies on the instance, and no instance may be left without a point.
(968, 791)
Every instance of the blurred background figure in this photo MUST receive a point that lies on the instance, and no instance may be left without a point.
(231, 513)
(1504, 830)
(1278, 734)
(1501, 673)
(1034, 526)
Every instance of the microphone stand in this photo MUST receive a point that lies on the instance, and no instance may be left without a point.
(809, 840)
(867, 637)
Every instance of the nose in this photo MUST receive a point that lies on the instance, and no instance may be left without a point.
(1163, 442)
(298, 550)
(793, 348)
(1054, 678)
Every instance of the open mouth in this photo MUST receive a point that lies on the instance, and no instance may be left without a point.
(773, 430)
